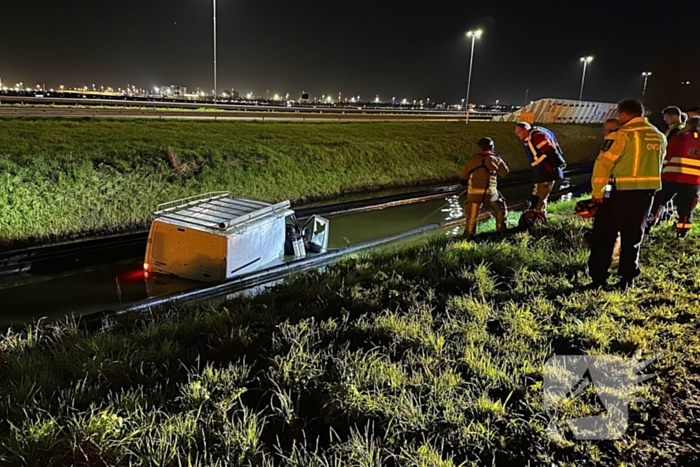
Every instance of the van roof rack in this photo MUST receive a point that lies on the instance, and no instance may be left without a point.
(217, 211)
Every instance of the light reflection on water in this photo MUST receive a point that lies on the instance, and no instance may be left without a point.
(454, 211)
(565, 184)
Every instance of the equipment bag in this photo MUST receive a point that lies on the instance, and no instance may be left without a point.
(530, 219)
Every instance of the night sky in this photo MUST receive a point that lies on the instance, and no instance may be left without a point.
(405, 49)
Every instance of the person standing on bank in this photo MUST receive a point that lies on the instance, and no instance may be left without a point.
(546, 158)
(626, 175)
(681, 178)
(480, 175)
(674, 121)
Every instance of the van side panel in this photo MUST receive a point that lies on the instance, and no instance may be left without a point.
(258, 245)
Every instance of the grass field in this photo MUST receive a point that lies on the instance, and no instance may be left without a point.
(60, 178)
(431, 356)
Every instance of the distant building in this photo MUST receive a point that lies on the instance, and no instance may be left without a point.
(304, 97)
(173, 91)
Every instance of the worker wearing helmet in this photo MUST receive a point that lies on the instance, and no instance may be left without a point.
(480, 175)
(626, 175)
(681, 177)
(546, 158)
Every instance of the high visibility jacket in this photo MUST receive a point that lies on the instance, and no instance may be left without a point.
(545, 155)
(480, 173)
(630, 158)
(682, 162)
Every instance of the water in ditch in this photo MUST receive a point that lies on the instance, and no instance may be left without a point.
(34, 296)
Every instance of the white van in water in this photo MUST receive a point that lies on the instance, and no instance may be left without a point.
(213, 237)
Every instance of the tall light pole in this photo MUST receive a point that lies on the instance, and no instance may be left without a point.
(586, 61)
(215, 84)
(646, 75)
(474, 35)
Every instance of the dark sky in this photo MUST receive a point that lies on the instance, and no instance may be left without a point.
(408, 49)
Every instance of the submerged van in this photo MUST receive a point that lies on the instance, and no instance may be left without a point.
(213, 237)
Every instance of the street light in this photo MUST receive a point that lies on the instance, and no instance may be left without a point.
(474, 35)
(215, 84)
(586, 61)
(646, 75)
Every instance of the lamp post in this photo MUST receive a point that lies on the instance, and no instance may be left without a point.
(645, 75)
(474, 36)
(215, 83)
(586, 61)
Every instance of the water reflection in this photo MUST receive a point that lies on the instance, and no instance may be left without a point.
(565, 184)
(454, 211)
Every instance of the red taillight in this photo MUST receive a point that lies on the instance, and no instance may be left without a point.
(145, 266)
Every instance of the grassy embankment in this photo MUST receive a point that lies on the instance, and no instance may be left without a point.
(431, 356)
(60, 178)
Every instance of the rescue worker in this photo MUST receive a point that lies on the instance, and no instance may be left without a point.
(480, 175)
(611, 125)
(546, 158)
(626, 175)
(680, 177)
(672, 118)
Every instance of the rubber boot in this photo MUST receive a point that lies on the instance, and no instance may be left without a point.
(501, 213)
(471, 211)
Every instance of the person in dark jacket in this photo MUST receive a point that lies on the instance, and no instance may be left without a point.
(546, 158)
(480, 175)
(673, 119)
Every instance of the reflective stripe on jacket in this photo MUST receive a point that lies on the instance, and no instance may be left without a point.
(545, 155)
(682, 163)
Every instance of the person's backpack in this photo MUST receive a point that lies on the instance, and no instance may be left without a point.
(553, 142)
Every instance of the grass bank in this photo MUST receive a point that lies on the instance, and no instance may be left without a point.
(431, 356)
(61, 178)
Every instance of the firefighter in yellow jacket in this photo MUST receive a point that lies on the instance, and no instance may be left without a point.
(480, 175)
(626, 175)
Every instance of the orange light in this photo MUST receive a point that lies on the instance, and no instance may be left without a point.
(145, 266)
